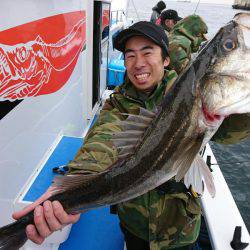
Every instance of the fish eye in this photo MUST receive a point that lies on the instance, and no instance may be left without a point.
(229, 45)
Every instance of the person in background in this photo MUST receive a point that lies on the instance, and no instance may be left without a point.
(157, 9)
(168, 19)
(185, 38)
(164, 218)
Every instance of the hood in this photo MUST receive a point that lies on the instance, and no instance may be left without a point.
(194, 28)
(155, 8)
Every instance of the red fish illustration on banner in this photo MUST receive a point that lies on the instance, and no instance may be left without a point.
(105, 23)
(38, 58)
(105, 19)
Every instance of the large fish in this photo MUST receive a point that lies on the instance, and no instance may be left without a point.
(215, 85)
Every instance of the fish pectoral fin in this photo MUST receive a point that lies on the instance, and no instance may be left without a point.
(133, 129)
(184, 162)
(137, 122)
(66, 182)
(148, 113)
(203, 173)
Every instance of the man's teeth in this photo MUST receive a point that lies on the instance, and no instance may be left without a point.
(142, 76)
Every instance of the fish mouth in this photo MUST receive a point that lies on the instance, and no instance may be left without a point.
(212, 119)
(240, 76)
(240, 107)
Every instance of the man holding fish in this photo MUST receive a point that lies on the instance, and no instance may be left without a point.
(159, 217)
(167, 216)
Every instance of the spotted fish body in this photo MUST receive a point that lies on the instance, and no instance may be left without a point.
(191, 112)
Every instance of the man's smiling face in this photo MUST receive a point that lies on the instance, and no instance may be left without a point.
(144, 63)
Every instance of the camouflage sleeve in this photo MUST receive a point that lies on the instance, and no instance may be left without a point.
(234, 129)
(98, 152)
(180, 54)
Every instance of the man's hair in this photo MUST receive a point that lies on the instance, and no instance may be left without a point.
(164, 55)
(169, 15)
(146, 29)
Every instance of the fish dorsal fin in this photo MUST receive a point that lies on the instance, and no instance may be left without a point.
(67, 182)
(148, 113)
(123, 150)
(184, 162)
(127, 134)
(138, 119)
(198, 172)
(120, 142)
(130, 125)
(133, 129)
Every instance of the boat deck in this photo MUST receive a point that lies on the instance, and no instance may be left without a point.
(97, 229)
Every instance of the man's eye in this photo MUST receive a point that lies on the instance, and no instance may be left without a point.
(148, 53)
(130, 56)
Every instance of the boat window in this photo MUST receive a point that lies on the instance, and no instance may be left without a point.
(100, 48)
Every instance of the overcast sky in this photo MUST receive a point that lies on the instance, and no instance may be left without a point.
(120, 4)
(216, 1)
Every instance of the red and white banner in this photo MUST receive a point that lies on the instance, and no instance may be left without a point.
(37, 58)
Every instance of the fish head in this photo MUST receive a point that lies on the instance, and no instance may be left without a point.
(225, 88)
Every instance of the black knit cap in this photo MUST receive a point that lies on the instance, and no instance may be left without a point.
(153, 32)
(161, 5)
(170, 14)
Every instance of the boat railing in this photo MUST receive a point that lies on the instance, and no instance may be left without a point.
(117, 16)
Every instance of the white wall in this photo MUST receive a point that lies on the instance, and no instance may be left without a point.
(31, 128)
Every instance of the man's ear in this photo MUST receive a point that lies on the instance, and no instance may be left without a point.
(166, 61)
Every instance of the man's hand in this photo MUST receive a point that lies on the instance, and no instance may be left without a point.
(48, 218)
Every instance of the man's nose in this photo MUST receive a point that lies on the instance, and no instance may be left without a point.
(139, 61)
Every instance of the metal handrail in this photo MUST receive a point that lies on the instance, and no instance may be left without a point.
(117, 16)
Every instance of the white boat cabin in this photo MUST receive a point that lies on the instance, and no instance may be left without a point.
(53, 72)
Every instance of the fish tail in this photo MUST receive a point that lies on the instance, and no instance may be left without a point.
(13, 236)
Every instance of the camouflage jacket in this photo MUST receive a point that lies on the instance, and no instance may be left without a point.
(165, 220)
(234, 129)
(184, 39)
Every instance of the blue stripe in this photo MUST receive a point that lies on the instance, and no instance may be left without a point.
(96, 230)
(63, 153)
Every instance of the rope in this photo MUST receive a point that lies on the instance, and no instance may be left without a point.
(236, 162)
(197, 6)
(136, 12)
